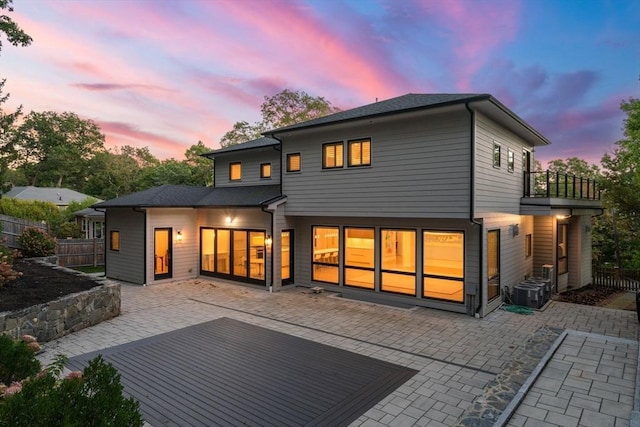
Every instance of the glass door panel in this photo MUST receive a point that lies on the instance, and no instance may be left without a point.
(207, 239)
(223, 252)
(239, 253)
(285, 258)
(162, 253)
(256, 255)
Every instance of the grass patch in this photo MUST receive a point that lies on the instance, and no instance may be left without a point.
(90, 269)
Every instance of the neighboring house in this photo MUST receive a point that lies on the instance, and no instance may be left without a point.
(429, 200)
(91, 223)
(61, 197)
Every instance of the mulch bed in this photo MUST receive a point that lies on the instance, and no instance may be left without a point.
(39, 284)
(588, 295)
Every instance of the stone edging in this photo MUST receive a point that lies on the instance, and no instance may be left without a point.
(71, 313)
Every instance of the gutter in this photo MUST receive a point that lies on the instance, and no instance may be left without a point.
(144, 258)
(472, 194)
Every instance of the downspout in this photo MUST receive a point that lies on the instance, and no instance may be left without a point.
(279, 148)
(144, 237)
(472, 208)
(273, 227)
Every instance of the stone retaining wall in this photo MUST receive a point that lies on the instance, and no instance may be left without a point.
(65, 315)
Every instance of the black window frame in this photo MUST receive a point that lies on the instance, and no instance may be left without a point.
(497, 154)
(231, 165)
(381, 254)
(111, 240)
(335, 145)
(262, 167)
(359, 141)
(289, 157)
(346, 266)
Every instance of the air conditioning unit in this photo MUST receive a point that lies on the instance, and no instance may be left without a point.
(528, 295)
(547, 271)
(545, 284)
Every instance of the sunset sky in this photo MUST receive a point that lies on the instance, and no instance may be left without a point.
(167, 73)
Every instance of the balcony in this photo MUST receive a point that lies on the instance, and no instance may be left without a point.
(554, 193)
(560, 185)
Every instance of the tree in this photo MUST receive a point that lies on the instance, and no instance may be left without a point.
(201, 167)
(14, 34)
(17, 37)
(282, 109)
(53, 147)
(575, 166)
(622, 187)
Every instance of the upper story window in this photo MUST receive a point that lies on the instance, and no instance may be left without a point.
(511, 160)
(332, 155)
(235, 171)
(294, 163)
(496, 155)
(360, 152)
(265, 170)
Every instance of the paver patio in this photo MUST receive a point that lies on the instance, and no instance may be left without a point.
(456, 355)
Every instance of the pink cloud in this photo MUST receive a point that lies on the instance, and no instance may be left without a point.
(119, 133)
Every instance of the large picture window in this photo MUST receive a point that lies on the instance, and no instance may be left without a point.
(360, 152)
(398, 261)
(332, 155)
(326, 254)
(443, 265)
(359, 264)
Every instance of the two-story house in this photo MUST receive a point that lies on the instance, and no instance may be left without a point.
(424, 199)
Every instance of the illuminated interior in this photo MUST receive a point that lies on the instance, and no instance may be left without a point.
(325, 254)
(398, 261)
(359, 257)
(443, 265)
(285, 242)
(162, 247)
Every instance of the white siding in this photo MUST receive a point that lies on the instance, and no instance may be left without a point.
(250, 161)
(580, 258)
(420, 168)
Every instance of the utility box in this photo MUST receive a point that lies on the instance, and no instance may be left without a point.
(547, 271)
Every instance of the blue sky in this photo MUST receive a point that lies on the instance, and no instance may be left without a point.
(165, 74)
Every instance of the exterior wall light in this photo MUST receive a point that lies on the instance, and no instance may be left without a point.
(268, 241)
(179, 237)
(229, 220)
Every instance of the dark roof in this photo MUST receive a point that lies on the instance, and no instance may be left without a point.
(191, 196)
(89, 213)
(256, 143)
(404, 103)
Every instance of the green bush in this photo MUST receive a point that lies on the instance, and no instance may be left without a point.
(34, 242)
(93, 398)
(17, 360)
(67, 229)
(33, 210)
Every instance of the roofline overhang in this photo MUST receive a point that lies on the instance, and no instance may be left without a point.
(280, 131)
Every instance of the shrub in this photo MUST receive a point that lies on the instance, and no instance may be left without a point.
(7, 273)
(91, 398)
(66, 229)
(17, 360)
(35, 242)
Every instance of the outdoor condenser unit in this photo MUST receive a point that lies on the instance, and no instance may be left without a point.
(528, 295)
(547, 271)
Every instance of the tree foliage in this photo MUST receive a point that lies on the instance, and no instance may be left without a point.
(282, 109)
(575, 166)
(622, 189)
(53, 148)
(11, 30)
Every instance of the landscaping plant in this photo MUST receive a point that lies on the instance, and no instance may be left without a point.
(92, 397)
(36, 243)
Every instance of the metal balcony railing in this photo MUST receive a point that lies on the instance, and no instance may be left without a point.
(560, 185)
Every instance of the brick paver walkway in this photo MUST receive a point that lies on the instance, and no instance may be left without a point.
(589, 381)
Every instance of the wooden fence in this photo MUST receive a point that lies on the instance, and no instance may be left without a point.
(614, 277)
(12, 228)
(80, 252)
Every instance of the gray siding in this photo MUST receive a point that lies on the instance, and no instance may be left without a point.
(127, 264)
(497, 189)
(250, 160)
(420, 168)
(303, 253)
